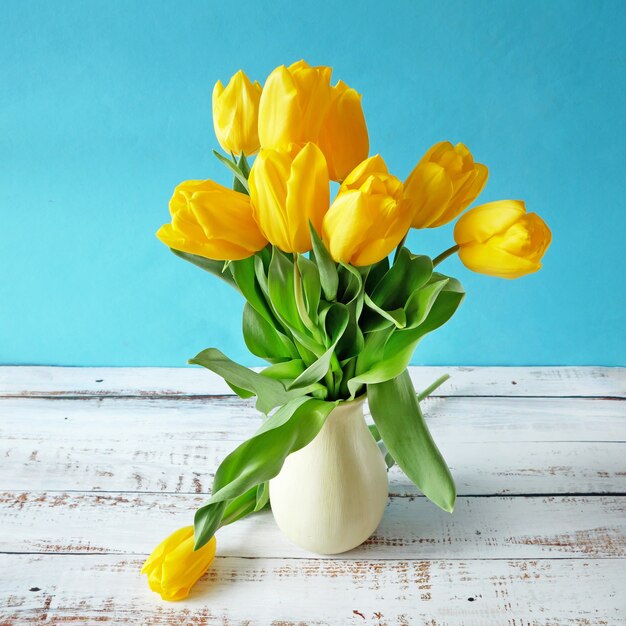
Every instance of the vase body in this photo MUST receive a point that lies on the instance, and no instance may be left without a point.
(331, 495)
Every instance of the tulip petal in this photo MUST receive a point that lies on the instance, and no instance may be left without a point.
(182, 568)
(278, 110)
(487, 220)
(159, 552)
(384, 238)
(429, 190)
(443, 184)
(529, 237)
(486, 259)
(235, 114)
(287, 190)
(344, 225)
(343, 136)
(307, 187)
(373, 165)
(174, 567)
(212, 221)
(435, 152)
(369, 217)
(293, 105)
(465, 195)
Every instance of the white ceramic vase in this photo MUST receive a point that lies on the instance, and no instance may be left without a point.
(330, 496)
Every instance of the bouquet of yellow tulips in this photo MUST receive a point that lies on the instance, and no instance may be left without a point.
(335, 302)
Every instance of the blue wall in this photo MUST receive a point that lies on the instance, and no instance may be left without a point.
(105, 107)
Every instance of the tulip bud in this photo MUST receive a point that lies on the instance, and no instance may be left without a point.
(343, 137)
(293, 105)
(211, 221)
(236, 114)
(501, 239)
(369, 216)
(288, 190)
(444, 183)
(174, 568)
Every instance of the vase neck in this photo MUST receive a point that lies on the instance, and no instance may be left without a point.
(352, 409)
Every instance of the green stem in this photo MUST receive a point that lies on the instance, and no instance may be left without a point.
(400, 245)
(444, 255)
(429, 390)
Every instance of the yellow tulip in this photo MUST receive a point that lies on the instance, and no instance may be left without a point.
(501, 239)
(236, 114)
(211, 221)
(369, 216)
(287, 190)
(444, 183)
(343, 136)
(293, 105)
(174, 568)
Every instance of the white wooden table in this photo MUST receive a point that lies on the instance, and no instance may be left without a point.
(97, 465)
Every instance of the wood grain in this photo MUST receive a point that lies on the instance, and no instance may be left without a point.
(493, 445)
(455, 419)
(98, 464)
(95, 589)
(412, 528)
(183, 381)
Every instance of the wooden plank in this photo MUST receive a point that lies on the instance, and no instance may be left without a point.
(494, 445)
(91, 589)
(154, 381)
(484, 419)
(412, 528)
(187, 467)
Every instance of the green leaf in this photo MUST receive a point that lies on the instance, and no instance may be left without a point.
(242, 393)
(421, 302)
(397, 414)
(396, 317)
(235, 170)
(328, 270)
(245, 276)
(260, 458)
(316, 371)
(263, 339)
(351, 343)
(375, 274)
(388, 300)
(262, 496)
(260, 271)
(376, 365)
(373, 348)
(336, 320)
(406, 275)
(285, 371)
(282, 290)
(270, 393)
(311, 286)
(239, 507)
(217, 268)
(350, 286)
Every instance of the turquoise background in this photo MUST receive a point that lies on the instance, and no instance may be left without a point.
(105, 106)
